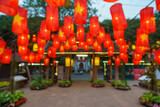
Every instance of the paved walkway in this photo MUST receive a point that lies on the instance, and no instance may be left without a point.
(81, 94)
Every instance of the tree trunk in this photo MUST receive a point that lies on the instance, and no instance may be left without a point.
(52, 71)
(67, 73)
(47, 73)
(110, 71)
(29, 74)
(116, 73)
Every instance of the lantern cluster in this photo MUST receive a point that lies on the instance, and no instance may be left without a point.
(157, 57)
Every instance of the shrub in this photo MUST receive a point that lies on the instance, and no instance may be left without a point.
(64, 82)
(100, 82)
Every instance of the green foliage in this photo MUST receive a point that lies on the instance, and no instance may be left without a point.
(8, 97)
(64, 82)
(38, 82)
(4, 84)
(158, 83)
(120, 83)
(100, 82)
(49, 82)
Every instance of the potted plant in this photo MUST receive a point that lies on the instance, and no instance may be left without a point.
(4, 84)
(119, 84)
(49, 82)
(98, 83)
(64, 83)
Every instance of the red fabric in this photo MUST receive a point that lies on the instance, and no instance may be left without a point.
(22, 40)
(80, 33)
(2, 46)
(9, 7)
(56, 2)
(6, 56)
(68, 25)
(61, 34)
(138, 73)
(52, 18)
(22, 50)
(158, 5)
(94, 25)
(46, 61)
(80, 13)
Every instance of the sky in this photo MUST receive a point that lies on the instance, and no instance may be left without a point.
(130, 7)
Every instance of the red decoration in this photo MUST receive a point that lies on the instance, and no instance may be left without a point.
(110, 53)
(22, 50)
(26, 56)
(19, 24)
(142, 38)
(40, 50)
(34, 39)
(61, 48)
(9, 7)
(81, 44)
(137, 57)
(118, 19)
(110, 0)
(80, 33)
(44, 32)
(89, 39)
(52, 36)
(120, 41)
(2, 46)
(101, 37)
(123, 48)
(140, 50)
(147, 19)
(37, 58)
(22, 40)
(46, 61)
(95, 45)
(136, 62)
(67, 46)
(56, 42)
(107, 43)
(158, 5)
(117, 61)
(80, 12)
(122, 55)
(61, 35)
(109, 62)
(99, 48)
(94, 25)
(52, 52)
(125, 60)
(32, 57)
(54, 62)
(41, 42)
(52, 19)
(118, 34)
(111, 48)
(68, 25)
(157, 57)
(74, 48)
(86, 47)
(56, 2)
(72, 40)
(6, 56)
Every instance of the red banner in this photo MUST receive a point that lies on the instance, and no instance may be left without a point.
(138, 73)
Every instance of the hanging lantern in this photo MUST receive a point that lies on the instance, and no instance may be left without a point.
(68, 25)
(142, 38)
(61, 48)
(22, 40)
(110, 53)
(52, 52)
(52, 19)
(86, 47)
(117, 61)
(117, 34)
(52, 36)
(125, 60)
(22, 50)
(80, 12)
(61, 35)
(35, 47)
(157, 5)
(34, 39)
(89, 39)
(32, 57)
(67, 62)
(118, 19)
(6, 56)
(137, 57)
(157, 57)
(37, 58)
(97, 61)
(109, 62)
(71, 62)
(107, 43)
(95, 45)
(54, 62)
(46, 61)
(44, 32)
(19, 24)
(2, 46)
(94, 25)
(56, 42)
(140, 50)
(136, 62)
(110, 1)
(99, 48)
(26, 56)
(9, 7)
(81, 44)
(111, 48)
(74, 47)
(123, 48)
(72, 40)
(122, 55)
(101, 37)
(40, 50)
(120, 41)
(66, 45)
(41, 42)
(80, 33)
(56, 2)
(147, 20)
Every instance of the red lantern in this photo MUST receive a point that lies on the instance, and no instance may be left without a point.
(110, 0)
(89, 39)
(54, 62)
(118, 34)
(157, 57)
(142, 38)
(158, 5)
(111, 48)
(101, 37)
(117, 61)
(22, 50)
(56, 2)
(109, 62)
(122, 55)
(123, 48)
(40, 50)
(67, 46)
(107, 43)
(136, 62)
(68, 25)
(80, 33)
(52, 19)
(147, 20)
(61, 35)
(46, 61)
(37, 58)
(94, 25)
(72, 40)
(110, 53)
(25, 57)
(32, 57)
(140, 50)
(34, 39)
(137, 57)
(81, 44)
(2, 46)
(74, 48)
(52, 52)
(118, 19)
(22, 40)
(9, 7)
(99, 48)
(56, 42)
(125, 60)
(95, 45)
(44, 32)
(41, 42)
(80, 12)
(61, 48)
(19, 24)
(86, 47)
(120, 41)
(52, 36)
(6, 56)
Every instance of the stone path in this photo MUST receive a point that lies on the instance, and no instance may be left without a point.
(81, 94)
